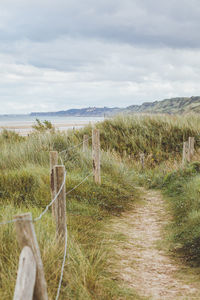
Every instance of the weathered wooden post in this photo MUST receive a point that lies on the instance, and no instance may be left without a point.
(191, 146)
(186, 157)
(184, 153)
(53, 162)
(96, 155)
(142, 160)
(60, 203)
(85, 142)
(26, 237)
(26, 275)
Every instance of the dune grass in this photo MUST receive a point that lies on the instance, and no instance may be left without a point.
(161, 139)
(158, 136)
(25, 187)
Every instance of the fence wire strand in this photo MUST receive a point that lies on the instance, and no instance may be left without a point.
(66, 233)
(46, 209)
(63, 266)
(70, 148)
(52, 201)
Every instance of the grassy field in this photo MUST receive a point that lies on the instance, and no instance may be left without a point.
(160, 138)
(25, 186)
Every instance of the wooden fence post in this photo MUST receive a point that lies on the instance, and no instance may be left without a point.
(191, 146)
(142, 160)
(60, 203)
(26, 237)
(184, 153)
(53, 162)
(26, 275)
(96, 155)
(85, 142)
(186, 157)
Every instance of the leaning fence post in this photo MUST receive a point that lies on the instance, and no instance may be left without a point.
(185, 152)
(191, 146)
(85, 142)
(53, 162)
(142, 160)
(26, 237)
(26, 275)
(96, 155)
(60, 203)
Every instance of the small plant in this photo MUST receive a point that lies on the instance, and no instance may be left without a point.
(43, 126)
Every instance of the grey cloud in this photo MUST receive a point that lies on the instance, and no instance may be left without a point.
(122, 76)
(61, 54)
(173, 23)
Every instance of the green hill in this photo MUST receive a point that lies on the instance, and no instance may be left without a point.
(177, 105)
(169, 106)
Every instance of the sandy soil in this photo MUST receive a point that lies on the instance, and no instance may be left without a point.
(29, 126)
(25, 129)
(142, 264)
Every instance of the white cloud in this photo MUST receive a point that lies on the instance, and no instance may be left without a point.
(64, 54)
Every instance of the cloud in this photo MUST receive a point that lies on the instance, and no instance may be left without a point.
(63, 54)
(173, 23)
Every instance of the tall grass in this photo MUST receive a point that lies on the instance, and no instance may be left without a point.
(158, 136)
(25, 186)
(161, 139)
(182, 187)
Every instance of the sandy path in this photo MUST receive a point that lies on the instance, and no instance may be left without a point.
(142, 264)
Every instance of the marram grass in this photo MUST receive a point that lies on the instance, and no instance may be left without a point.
(25, 187)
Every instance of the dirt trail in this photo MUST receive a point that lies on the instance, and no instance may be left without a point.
(142, 264)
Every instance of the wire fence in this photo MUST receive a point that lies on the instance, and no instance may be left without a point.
(70, 148)
(45, 211)
(51, 203)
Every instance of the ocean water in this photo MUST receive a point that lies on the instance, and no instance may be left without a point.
(22, 124)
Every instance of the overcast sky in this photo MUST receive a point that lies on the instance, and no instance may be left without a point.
(65, 54)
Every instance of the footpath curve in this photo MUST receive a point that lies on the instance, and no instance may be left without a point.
(142, 262)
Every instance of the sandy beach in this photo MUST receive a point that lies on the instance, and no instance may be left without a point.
(25, 129)
(24, 124)
(17, 126)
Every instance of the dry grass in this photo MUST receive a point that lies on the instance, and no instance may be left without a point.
(24, 186)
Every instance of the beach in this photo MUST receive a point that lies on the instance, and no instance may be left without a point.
(24, 124)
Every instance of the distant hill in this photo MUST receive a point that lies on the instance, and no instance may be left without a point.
(83, 112)
(167, 106)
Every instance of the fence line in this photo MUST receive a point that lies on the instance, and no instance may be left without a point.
(52, 201)
(28, 219)
(75, 146)
(57, 195)
(49, 205)
(45, 210)
(70, 148)
(66, 234)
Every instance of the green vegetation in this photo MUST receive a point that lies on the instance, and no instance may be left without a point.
(159, 137)
(180, 105)
(43, 126)
(182, 187)
(25, 186)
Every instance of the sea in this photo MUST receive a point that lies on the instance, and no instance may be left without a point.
(22, 124)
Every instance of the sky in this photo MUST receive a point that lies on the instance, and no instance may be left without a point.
(57, 55)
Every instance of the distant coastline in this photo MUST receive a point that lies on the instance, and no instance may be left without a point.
(22, 124)
(178, 105)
